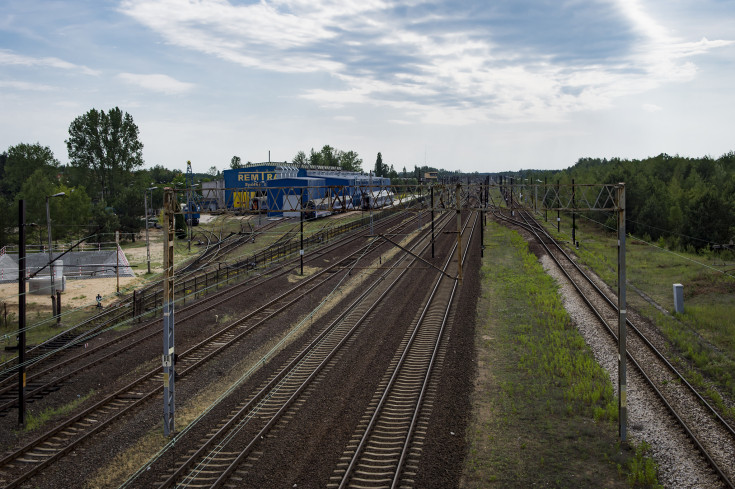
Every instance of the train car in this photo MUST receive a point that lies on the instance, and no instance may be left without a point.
(317, 208)
(259, 203)
(191, 217)
(375, 199)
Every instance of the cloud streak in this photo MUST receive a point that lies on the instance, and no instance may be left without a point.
(157, 83)
(444, 62)
(9, 58)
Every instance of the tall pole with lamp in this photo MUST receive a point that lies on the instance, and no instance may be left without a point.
(147, 239)
(50, 254)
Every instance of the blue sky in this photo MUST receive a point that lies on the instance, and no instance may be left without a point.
(471, 85)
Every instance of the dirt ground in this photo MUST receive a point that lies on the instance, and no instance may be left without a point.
(81, 293)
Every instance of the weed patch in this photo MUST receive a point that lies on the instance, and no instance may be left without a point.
(544, 410)
(34, 421)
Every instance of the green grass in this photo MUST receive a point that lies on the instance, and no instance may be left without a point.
(545, 413)
(703, 337)
(35, 421)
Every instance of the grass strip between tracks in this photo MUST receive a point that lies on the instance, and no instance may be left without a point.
(544, 412)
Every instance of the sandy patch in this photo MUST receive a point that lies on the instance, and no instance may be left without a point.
(82, 293)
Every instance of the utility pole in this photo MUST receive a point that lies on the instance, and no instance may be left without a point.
(482, 235)
(117, 260)
(370, 203)
(487, 199)
(21, 311)
(558, 211)
(574, 217)
(622, 382)
(432, 221)
(512, 212)
(51, 256)
(147, 239)
(169, 353)
(546, 210)
(301, 251)
(459, 229)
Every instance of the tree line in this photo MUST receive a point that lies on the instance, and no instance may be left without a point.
(681, 202)
(103, 184)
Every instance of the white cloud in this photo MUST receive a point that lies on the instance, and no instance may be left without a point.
(8, 58)
(652, 108)
(22, 85)
(157, 83)
(451, 73)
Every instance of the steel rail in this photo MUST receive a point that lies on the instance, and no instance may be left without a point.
(396, 372)
(130, 395)
(274, 382)
(89, 334)
(429, 370)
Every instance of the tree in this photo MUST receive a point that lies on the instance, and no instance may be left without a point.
(315, 158)
(379, 166)
(213, 171)
(68, 214)
(329, 156)
(235, 163)
(104, 223)
(34, 192)
(105, 147)
(8, 219)
(22, 161)
(300, 159)
(350, 161)
(392, 173)
(128, 207)
(160, 175)
(73, 212)
(708, 220)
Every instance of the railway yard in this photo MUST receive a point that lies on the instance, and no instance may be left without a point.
(358, 372)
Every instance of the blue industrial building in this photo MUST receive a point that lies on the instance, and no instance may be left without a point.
(278, 187)
(285, 195)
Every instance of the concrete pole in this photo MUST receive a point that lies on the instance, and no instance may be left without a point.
(169, 351)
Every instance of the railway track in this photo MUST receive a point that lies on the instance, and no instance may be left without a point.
(51, 372)
(22, 464)
(707, 430)
(120, 312)
(231, 447)
(386, 448)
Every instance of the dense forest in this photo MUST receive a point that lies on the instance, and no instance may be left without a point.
(684, 203)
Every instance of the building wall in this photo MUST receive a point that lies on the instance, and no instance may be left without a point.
(242, 185)
(251, 187)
